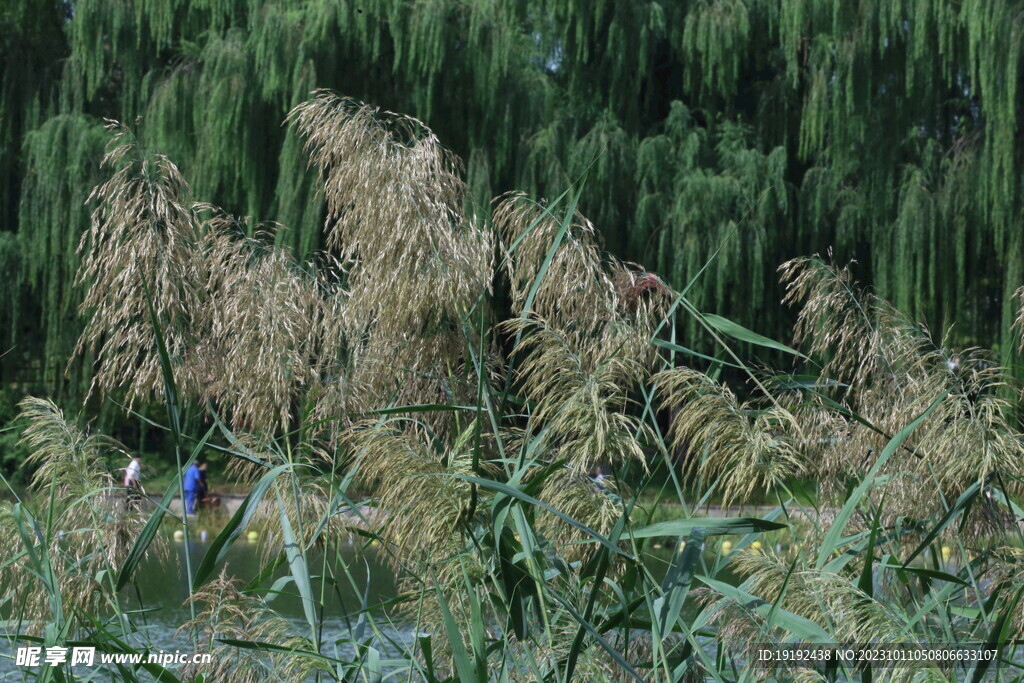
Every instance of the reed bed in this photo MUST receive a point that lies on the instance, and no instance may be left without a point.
(469, 372)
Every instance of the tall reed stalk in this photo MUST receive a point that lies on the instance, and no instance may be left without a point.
(467, 378)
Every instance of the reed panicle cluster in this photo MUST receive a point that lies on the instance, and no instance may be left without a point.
(582, 409)
(362, 365)
(256, 333)
(1007, 574)
(833, 600)
(139, 252)
(576, 294)
(741, 630)
(224, 612)
(238, 317)
(358, 151)
(431, 518)
(260, 326)
(581, 335)
(603, 307)
(889, 371)
(87, 535)
(833, 317)
(598, 505)
(823, 596)
(414, 264)
(62, 455)
(740, 447)
(427, 507)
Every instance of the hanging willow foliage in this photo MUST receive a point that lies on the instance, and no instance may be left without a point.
(62, 158)
(744, 132)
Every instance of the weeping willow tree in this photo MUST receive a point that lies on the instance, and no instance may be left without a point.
(372, 355)
(728, 133)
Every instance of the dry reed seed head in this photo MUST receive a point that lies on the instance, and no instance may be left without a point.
(834, 602)
(583, 410)
(90, 532)
(741, 630)
(1018, 321)
(257, 450)
(380, 170)
(604, 308)
(967, 437)
(1006, 571)
(414, 265)
(306, 501)
(20, 585)
(742, 448)
(426, 506)
(11, 538)
(593, 663)
(262, 315)
(381, 371)
(394, 198)
(143, 235)
(61, 454)
(830, 600)
(832, 316)
(427, 511)
(893, 374)
(360, 367)
(221, 301)
(864, 340)
(576, 293)
(224, 612)
(578, 496)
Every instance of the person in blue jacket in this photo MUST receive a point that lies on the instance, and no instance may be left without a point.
(195, 483)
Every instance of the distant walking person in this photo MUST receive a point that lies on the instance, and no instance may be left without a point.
(133, 481)
(195, 486)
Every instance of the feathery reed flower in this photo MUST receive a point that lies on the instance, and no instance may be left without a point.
(740, 447)
(886, 371)
(139, 252)
(224, 612)
(89, 534)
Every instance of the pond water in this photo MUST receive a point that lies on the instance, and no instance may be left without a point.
(164, 589)
(159, 610)
(159, 605)
(168, 583)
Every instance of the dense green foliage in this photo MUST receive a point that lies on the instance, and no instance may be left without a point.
(379, 329)
(751, 129)
(379, 405)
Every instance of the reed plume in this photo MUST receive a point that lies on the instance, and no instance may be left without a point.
(139, 254)
(737, 446)
(414, 264)
(885, 371)
(581, 410)
(224, 612)
(89, 534)
(603, 307)
(260, 327)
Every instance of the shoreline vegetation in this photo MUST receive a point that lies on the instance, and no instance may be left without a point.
(521, 403)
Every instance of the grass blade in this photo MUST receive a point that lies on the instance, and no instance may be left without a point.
(831, 540)
(219, 547)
